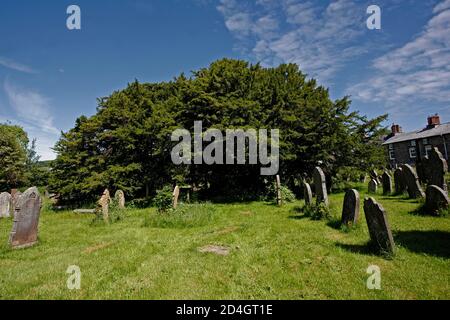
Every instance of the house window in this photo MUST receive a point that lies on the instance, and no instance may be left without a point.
(413, 143)
(391, 155)
(425, 141)
(427, 149)
(412, 153)
(391, 147)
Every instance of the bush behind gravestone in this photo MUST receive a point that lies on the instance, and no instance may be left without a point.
(163, 200)
(286, 194)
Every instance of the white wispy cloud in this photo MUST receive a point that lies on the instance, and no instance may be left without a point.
(416, 73)
(11, 64)
(32, 111)
(321, 39)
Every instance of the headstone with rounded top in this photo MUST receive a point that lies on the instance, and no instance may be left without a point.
(436, 200)
(412, 182)
(307, 193)
(5, 205)
(119, 196)
(379, 229)
(399, 181)
(386, 183)
(320, 185)
(373, 186)
(350, 209)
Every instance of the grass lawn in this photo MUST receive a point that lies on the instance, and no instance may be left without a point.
(275, 253)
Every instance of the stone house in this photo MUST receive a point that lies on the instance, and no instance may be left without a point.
(410, 147)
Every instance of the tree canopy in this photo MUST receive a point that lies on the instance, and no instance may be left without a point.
(127, 145)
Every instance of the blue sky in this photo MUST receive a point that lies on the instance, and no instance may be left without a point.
(50, 75)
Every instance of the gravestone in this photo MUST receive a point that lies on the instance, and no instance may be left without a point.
(436, 168)
(176, 194)
(374, 176)
(436, 199)
(320, 185)
(412, 182)
(399, 181)
(350, 209)
(373, 185)
(307, 193)
(104, 202)
(24, 232)
(5, 205)
(387, 183)
(379, 230)
(119, 196)
(278, 190)
(14, 197)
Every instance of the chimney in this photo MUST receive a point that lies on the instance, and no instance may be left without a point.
(396, 129)
(434, 121)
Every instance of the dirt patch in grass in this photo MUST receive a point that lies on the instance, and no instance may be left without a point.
(246, 213)
(97, 247)
(219, 250)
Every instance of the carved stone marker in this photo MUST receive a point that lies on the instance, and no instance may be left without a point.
(5, 205)
(412, 182)
(387, 183)
(119, 196)
(374, 176)
(104, 202)
(350, 210)
(320, 185)
(379, 230)
(435, 169)
(24, 232)
(436, 199)
(307, 193)
(373, 185)
(176, 194)
(278, 190)
(14, 197)
(399, 181)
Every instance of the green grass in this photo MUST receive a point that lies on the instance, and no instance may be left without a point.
(276, 253)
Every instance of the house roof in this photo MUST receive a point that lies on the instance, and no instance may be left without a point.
(421, 134)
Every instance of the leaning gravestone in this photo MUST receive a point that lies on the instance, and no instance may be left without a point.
(320, 185)
(373, 186)
(104, 202)
(119, 196)
(379, 230)
(412, 182)
(278, 190)
(387, 183)
(307, 193)
(399, 181)
(436, 199)
(436, 169)
(374, 176)
(5, 205)
(350, 210)
(26, 219)
(176, 194)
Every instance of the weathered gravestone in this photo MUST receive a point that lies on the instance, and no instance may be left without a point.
(278, 190)
(320, 185)
(5, 205)
(24, 232)
(103, 203)
(176, 194)
(119, 196)
(307, 193)
(435, 168)
(412, 182)
(379, 230)
(436, 199)
(14, 197)
(399, 181)
(374, 176)
(350, 210)
(387, 183)
(373, 186)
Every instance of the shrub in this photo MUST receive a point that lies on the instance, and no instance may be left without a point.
(286, 194)
(317, 211)
(185, 216)
(164, 199)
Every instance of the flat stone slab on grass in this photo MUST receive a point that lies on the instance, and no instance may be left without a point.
(84, 211)
(219, 250)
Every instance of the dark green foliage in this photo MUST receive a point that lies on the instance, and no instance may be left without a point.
(185, 216)
(163, 200)
(126, 145)
(13, 156)
(317, 211)
(286, 194)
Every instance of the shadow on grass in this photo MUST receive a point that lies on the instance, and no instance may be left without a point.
(367, 248)
(335, 224)
(433, 243)
(298, 217)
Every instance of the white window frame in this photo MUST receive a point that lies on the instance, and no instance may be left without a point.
(391, 147)
(428, 148)
(413, 155)
(413, 143)
(392, 154)
(425, 141)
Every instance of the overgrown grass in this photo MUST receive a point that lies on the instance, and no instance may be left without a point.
(275, 253)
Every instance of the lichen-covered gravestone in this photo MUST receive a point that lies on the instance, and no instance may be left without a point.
(350, 209)
(436, 168)
(387, 183)
(15, 195)
(373, 185)
(278, 190)
(320, 185)
(104, 202)
(436, 199)
(379, 230)
(412, 182)
(176, 194)
(5, 205)
(399, 181)
(26, 219)
(119, 196)
(307, 193)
